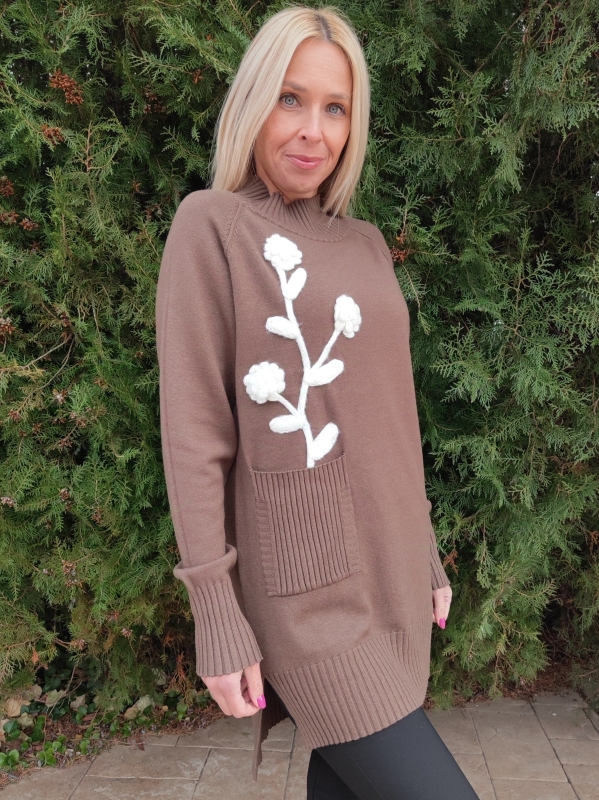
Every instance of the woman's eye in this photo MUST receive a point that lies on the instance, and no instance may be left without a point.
(340, 109)
(287, 97)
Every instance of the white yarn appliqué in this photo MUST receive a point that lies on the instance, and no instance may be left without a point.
(266, 380)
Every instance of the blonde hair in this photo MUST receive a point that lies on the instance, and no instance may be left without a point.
(256, 89)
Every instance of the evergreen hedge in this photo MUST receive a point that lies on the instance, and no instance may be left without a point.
(482, 174)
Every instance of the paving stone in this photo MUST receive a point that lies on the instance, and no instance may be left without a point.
(503, 705)
(97, 788)
(585, 781)
(298, 771)
(533, 790)
(594, 717)
(165, 739)
(563, 722)
(49, 783)
(228, 776)
(474, 768)
(128, 761)
(575, 751)
(456, 728)
(225, 732)
(516, 747)
(521, 760)
(238, 733)
(563, 698)
(280, 737)
(298, 740)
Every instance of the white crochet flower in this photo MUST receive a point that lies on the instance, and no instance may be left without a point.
(347, 315)
(282, 252)
(264, 381)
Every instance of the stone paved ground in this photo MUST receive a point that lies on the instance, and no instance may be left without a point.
(509, 749)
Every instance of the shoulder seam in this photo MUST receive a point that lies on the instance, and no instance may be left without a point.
(387, 254)
(233, 225)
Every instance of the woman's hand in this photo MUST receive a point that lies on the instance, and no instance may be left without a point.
(441, 604)
(239, 694)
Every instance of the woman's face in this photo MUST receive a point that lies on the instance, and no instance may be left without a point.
(301, 141)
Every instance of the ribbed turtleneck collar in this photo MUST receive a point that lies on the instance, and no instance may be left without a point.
(303, 216)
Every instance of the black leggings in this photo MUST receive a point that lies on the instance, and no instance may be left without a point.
(405, 761)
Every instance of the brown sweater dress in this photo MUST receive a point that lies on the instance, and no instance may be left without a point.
(293, 459)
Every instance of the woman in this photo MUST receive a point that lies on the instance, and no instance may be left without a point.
(290, 435)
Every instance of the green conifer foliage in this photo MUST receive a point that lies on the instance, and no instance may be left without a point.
(482, 174)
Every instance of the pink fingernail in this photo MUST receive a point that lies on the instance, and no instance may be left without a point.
(261, 701)
(442, 623)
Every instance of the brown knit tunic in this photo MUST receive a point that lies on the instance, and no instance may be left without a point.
(293, 459)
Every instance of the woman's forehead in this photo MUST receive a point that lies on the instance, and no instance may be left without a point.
(316, 61)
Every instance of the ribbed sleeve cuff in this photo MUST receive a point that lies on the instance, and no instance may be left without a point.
(439, 577)
(225, 642)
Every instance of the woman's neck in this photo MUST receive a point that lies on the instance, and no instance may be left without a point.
(288, 197)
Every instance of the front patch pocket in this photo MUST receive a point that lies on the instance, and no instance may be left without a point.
(307, 527)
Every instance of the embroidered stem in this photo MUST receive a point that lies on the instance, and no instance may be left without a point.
(305, 356)
(291, 316)
(266, 380)
(327, 349)
(292, 409)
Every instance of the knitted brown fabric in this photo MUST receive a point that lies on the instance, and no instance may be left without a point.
(313, 508)
(294, 470)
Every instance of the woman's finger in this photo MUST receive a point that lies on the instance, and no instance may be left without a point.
(240, 706)
(222, 704)
(448, 597)
(219, 698)
(245, 693)
(226, 690)
(255, 685)
(441, 605)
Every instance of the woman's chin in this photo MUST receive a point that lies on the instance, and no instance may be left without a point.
(302, 184)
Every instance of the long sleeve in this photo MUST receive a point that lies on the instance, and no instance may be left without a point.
(439, 577)
(195, 327)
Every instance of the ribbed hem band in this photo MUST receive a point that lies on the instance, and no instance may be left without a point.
(358, 692)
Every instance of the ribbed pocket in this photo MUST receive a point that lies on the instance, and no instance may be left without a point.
(307, 527)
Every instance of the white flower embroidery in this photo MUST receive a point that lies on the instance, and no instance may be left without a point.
(347, 316)
(282, 252)
(266, 381)
(283, 327)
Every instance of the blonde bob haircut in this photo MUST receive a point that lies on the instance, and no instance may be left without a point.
(256, 90)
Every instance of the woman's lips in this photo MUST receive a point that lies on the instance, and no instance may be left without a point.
(304, 163)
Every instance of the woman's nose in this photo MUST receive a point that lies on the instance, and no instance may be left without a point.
(311, 130)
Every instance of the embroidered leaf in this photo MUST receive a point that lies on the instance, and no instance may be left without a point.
(324, 441)
(282, 326)
(295, 284)
(325, 374)
(287, 423)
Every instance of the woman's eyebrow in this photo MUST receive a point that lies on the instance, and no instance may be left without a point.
(298, 88)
